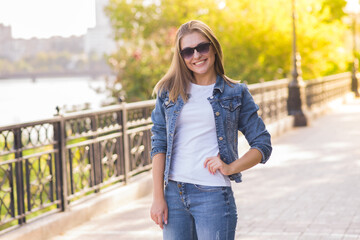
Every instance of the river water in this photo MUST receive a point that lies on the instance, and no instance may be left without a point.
(22, 100)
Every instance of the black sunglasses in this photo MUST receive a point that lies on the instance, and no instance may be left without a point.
(201, 48)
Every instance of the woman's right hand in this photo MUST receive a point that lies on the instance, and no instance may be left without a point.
(159, 212)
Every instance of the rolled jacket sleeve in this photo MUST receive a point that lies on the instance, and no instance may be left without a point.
(158, 130)
(253, 127)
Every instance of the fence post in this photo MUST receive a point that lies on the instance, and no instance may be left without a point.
(126, 147)
(61, 171)
(96, 155)
(19, 174)
(264, 115)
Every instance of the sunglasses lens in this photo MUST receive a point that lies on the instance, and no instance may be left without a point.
(203, 48)
(187, 53)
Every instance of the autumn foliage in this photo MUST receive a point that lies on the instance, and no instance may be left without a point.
(256, 37)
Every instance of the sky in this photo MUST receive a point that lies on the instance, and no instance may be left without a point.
(47, 18)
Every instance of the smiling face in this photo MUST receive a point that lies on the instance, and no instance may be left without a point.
(201, 64)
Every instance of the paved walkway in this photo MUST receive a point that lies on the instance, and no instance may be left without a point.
(309, 189)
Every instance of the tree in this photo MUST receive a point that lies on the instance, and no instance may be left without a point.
(255, 36)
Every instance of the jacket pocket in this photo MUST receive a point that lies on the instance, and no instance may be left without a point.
(231, 104)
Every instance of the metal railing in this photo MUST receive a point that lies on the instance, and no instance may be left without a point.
(271, 98)
(47, 165)
(322, 90)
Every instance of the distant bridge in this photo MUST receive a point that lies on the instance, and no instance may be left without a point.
(36, 75)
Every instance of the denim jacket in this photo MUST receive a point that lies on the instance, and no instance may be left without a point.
(234, 110)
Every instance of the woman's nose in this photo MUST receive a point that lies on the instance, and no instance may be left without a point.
(196, 54)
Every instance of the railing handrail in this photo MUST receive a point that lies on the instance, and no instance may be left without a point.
(146, 103)
(329, 78)
(82, 113)
(30, 123)
(269, 84)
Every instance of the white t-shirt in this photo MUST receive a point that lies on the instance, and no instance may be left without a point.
(195, 140)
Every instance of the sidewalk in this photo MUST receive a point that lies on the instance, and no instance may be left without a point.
(309, 189)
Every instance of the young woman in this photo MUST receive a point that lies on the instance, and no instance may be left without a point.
(197, 116)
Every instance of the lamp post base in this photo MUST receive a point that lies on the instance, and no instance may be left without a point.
(354, 80)
(296, 102)
(300, 119)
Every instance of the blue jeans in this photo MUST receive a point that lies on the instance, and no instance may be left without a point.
(199, 212)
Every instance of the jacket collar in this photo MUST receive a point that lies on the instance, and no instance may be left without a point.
(220, 84)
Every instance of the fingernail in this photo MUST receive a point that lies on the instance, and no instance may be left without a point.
(165, 222)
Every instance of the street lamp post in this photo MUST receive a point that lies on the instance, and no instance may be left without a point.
(296, 99)
(353, 8)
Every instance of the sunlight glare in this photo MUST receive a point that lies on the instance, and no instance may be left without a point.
(44, 18)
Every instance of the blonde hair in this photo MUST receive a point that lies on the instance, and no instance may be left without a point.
(178, 76)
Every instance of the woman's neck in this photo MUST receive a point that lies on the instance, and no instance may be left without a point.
(205, 79)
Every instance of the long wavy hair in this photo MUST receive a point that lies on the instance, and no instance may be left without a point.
(178, 76)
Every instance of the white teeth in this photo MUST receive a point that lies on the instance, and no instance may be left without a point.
(199, 62)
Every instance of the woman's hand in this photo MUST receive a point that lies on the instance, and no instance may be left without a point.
(215, 163)
(159, 212)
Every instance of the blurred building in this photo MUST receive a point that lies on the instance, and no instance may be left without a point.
(31, 47)
(99, 40)
(6, 42)
(85, 51)
(15, 49)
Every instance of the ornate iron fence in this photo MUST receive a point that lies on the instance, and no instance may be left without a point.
(46, 165)
(322, 90)
(29, 170)
(271, 98)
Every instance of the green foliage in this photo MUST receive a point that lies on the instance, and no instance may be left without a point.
(335, 8)
(51, 62)
(256, 37)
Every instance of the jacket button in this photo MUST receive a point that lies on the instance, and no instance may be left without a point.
(217, 114)
(220, 138)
